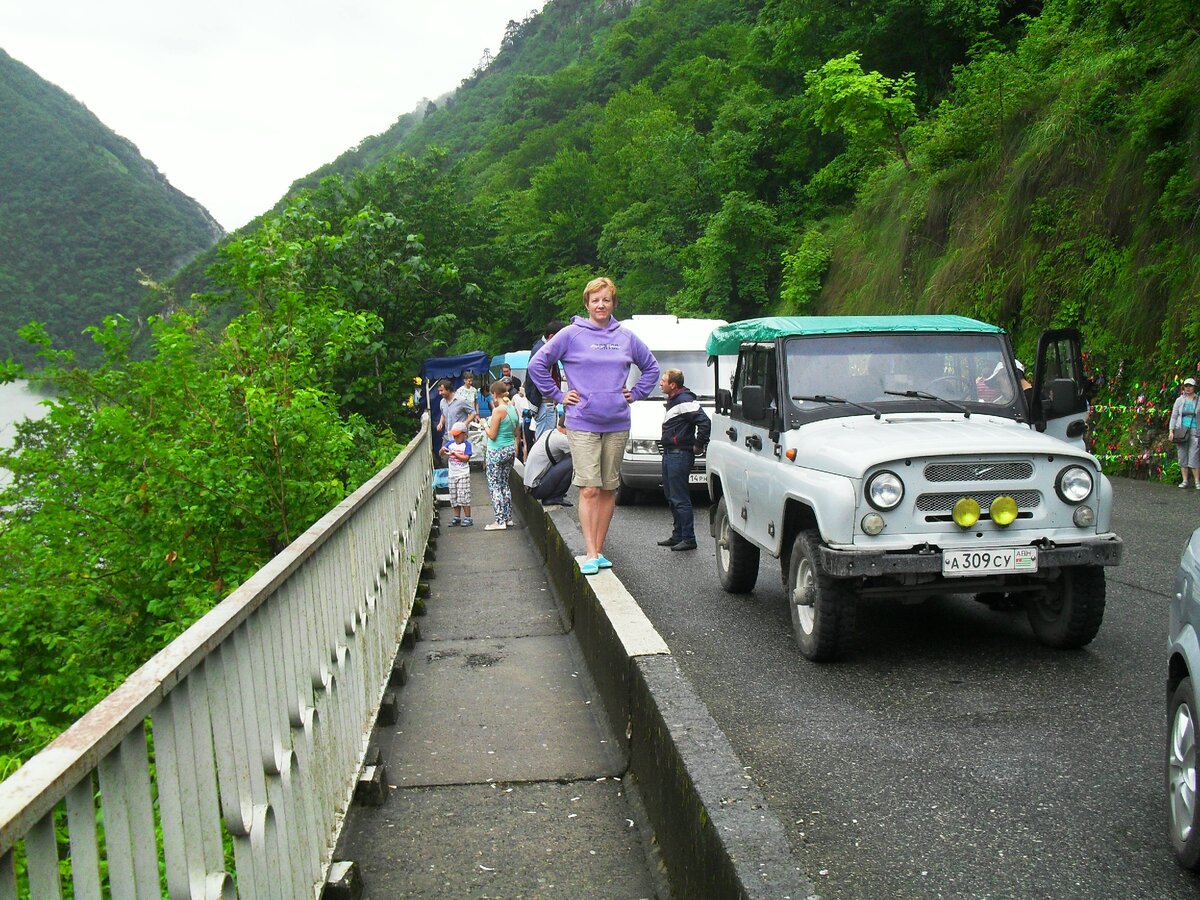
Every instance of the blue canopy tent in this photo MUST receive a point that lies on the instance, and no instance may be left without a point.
(450, 367)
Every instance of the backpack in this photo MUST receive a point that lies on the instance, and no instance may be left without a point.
(532, 394)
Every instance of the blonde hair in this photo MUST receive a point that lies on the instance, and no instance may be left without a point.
(674, 376)
(595, 284)
(499, 389)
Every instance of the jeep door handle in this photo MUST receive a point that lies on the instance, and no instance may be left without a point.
(754, 442)
(731, 433)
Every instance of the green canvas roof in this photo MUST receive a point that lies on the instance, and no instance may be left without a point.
(726, 339)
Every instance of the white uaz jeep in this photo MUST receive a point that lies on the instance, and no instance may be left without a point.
(900, 456)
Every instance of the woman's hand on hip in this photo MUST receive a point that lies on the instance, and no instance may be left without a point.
(571, 397)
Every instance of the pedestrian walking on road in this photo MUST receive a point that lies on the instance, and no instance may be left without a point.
(685, 433)
(502, 428)
(1183, 433)
(596, 354)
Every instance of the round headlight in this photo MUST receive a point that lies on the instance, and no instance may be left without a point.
(1074, 484)
(1084, 517)
(885, 490)
(1003, 510)
(966, 512)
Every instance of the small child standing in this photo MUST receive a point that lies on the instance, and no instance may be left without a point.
(457, 451)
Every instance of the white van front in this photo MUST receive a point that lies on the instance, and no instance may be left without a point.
(676, 344)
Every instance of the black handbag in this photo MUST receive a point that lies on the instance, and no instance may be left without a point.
(1182, 435)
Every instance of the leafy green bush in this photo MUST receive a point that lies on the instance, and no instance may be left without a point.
(155, 486)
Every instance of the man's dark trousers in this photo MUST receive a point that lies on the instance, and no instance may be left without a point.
(676, 466)
(553, 485)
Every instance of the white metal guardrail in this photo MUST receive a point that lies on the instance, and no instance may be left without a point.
(223, 766)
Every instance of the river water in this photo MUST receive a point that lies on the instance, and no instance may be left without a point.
(18, 401)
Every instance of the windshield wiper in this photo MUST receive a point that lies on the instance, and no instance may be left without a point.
(922, 395)
(822, 398)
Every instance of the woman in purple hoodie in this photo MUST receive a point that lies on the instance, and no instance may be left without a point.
(595, 354)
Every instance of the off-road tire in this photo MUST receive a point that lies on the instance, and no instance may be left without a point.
(1068, 613)
(737, 558)
(824, 610)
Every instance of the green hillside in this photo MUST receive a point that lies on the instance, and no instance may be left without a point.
(1029, 163)
(80, 212)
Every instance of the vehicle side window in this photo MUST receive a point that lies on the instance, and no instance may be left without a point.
(756, 367)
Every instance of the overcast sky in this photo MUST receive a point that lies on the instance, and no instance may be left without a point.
(235, 99)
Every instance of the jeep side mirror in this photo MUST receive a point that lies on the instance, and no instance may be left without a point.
(753, 407)
(724, 402)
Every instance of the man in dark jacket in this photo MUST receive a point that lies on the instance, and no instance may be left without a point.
(545, 416)
(685, 432)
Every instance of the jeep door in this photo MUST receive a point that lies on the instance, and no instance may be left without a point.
(1060, 387)
(756, 412)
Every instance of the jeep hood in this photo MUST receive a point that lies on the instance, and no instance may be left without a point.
(850, 445)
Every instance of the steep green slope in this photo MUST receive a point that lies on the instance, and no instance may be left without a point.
(1029, 163)
(80, 212)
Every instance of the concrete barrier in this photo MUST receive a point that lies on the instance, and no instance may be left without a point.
(712, 824)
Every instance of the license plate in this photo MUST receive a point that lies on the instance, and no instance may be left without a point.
(957, 563)
(697, 478)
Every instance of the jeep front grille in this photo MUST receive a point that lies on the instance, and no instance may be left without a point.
(941, 505)
(979, 471)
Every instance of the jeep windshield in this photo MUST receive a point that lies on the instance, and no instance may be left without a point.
(698, 375)
(895, 372)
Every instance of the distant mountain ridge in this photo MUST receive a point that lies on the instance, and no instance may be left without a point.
(81, 211)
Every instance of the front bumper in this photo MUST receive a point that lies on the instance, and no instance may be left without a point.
(1105, 550)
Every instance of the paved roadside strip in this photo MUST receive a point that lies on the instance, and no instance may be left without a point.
(711, 822)
(505, 779)
(501, 777)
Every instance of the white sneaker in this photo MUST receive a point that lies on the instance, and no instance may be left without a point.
(1184, 484)
(495, 526)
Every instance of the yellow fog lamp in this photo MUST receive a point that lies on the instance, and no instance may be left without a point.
(966, 512)
(1004, 510)
(872, 523)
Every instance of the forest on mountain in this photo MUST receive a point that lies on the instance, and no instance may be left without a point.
(1028, 163)
(80, 213)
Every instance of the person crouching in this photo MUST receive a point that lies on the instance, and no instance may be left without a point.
(548, 468)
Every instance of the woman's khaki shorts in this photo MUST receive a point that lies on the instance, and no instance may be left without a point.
(596, 456)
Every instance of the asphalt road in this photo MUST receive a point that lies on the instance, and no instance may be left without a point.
(952, 755)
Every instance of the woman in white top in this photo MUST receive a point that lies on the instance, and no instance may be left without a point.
(1183, 416)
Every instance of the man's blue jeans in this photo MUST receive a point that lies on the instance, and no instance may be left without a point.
(676, 466)
(545, 418)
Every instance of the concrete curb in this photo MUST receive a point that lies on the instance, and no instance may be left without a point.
(712, 823)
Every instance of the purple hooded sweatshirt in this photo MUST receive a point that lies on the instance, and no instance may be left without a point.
(595, 362)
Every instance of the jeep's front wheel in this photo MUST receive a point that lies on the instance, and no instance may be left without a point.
(737, 558)
(823, 609)
(1067, 614)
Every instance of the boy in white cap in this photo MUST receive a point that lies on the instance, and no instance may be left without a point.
(458, 463)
